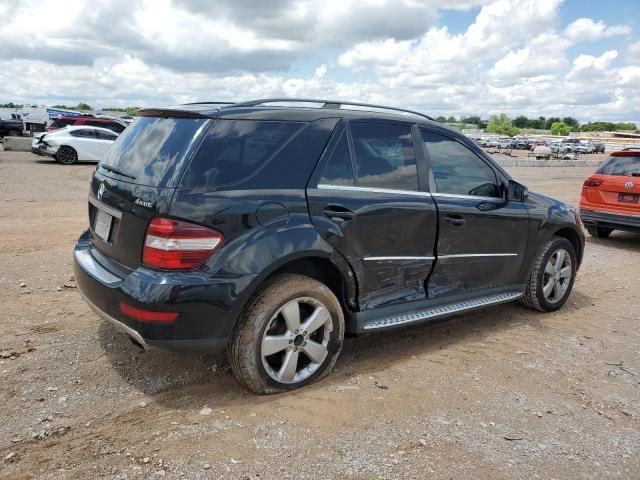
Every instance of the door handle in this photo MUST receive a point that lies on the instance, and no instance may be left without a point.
(337, 211)
(455, 220)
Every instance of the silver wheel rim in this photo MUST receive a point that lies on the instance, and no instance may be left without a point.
(295, 343)
(557, 276)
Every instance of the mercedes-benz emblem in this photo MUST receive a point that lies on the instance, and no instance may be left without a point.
(628, 185)
(101, 190)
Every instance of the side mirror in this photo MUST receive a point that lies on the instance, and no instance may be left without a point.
(516, 192)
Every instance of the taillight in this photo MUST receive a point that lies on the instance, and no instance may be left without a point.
(592, 182)
(177, 245)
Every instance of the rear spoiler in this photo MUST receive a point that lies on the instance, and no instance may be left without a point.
(178, 112)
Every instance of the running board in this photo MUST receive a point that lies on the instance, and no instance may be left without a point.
(440, 311)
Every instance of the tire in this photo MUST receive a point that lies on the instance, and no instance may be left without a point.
(599, 232)
(66, 155)
(535, 295)
(264, 319)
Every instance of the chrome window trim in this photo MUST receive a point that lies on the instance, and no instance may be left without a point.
(350, 188)
(380, 259)
(465, 197)
(472, 255)
(111, 211)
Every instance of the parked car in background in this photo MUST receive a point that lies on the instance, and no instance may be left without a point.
(112, 124)
(583, 147)
(10, 125)
(598, 147)
(610, 197)
(271, 231)
(522, 144)
(69, 145)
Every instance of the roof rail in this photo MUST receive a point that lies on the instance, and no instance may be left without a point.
(209, 103)
(332, 104)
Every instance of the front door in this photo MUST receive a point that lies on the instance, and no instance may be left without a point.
(482, 238)
(365, 200)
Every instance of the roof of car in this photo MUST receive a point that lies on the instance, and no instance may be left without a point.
(627, 152)
(291, 109)
(87, 117)
(73, 128)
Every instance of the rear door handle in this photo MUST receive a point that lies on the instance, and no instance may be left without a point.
(337, 211)
(455, 220)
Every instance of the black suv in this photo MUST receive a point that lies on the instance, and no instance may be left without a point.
(271, 229)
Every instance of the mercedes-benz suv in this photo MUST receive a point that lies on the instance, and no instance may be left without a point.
(269, 229)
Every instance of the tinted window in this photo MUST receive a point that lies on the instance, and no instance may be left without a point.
(102, 135)
(114, 126)
(457, 170)
(338, 169)
(85, 133)
(627, 166)
(59, 122)
(234, 150)
(152, 149)
(385, 157)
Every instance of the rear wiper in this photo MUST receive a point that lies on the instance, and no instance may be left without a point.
(118, 171)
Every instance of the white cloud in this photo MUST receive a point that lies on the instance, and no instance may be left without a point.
(514, 57)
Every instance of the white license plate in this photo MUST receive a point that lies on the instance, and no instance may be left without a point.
(102, 227)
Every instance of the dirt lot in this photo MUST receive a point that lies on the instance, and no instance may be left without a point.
(504, 393)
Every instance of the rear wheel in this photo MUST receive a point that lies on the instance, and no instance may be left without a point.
(552, 276)
(66, 155)
(289, 336)
(599, 232)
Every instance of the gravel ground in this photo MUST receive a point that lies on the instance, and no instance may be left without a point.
(503, 393)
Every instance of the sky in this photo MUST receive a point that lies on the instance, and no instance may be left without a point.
(456, 57)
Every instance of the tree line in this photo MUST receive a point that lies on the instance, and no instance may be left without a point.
(503, 125)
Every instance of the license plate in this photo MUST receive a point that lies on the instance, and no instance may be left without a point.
(102, 227)
(628, 197)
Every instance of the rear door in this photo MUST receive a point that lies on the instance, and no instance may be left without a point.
(135, 181)
(482, 238)
(367, 199)
(619, 191)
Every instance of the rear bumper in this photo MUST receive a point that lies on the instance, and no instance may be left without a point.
(208, 306)
(617, 221)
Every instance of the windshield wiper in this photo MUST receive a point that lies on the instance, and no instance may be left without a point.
(118, 171)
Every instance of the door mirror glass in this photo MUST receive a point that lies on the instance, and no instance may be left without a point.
(516, 192)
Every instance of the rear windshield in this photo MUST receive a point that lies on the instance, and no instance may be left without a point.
(151, 150)
(234, 150)
(626, 166)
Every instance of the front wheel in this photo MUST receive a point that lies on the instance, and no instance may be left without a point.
(552, 276)
(66, 155)
(599, 232)
(290, 335)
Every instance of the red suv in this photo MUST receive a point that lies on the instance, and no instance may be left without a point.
(87, 121)
(611, 197)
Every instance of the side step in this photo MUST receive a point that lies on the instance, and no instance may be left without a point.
(439, 311)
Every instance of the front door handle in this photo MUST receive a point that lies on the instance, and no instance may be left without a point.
(455, 220)
(338, 211)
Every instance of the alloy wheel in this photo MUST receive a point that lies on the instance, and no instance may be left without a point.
(296, 340)
(557, 276)
(66, 155)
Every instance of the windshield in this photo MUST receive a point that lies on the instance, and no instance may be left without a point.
(151, 150)
(626, 166)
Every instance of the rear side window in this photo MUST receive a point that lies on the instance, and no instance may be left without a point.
(234, 150)
(60, 122)
(338, 169)
(457, 170)
(85, 133)
(152, 150)
(625, 166)
(385, 157)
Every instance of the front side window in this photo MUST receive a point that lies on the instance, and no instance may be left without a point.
(457, 170)
(338, 169)
(385, 157)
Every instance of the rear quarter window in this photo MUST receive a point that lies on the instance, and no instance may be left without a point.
(625, 166)
(233, 151)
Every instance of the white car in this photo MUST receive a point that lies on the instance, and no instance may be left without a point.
(74, 144)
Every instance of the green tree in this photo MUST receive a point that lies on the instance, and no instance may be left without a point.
(472, 120)
(521, 121)
(572, 122)
(560, 128)
(83, 106)
(451, 119)
(441, 119)
(501, 125)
